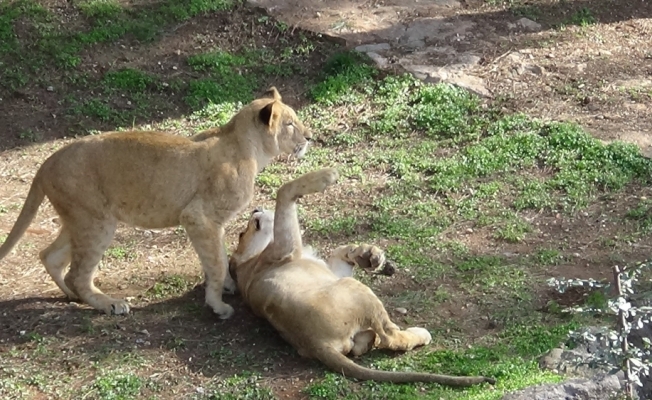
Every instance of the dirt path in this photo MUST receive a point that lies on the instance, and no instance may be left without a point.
(576, 61)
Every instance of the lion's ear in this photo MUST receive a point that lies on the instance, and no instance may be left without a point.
(272, 93)
(269, 114)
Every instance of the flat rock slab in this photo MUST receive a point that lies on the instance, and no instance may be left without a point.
(575, 389)
(419, 33)
(355, 21)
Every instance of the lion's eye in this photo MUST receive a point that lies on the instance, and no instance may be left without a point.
(290, 123)
(257, 224)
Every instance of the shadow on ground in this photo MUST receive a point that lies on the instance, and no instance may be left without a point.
(71, 74)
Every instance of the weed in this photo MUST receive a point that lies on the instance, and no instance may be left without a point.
(233, 88)
(131, 80)
(171, 285)
(96, 108)
(642, 215)
(345, 226)
(217, 61)
(100, 9)
(29, 135)
(239, 387)
(530, 12)
(120, 253)
(215, 114)
(532, 194)
(583, 17)
(175, 343)
(513, 230)
(118, 386)
(549, 257)
(343, 72)
(446, 111)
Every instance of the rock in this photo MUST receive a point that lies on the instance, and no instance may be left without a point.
(576, 389)
(373, 47)
(466, 60)
(535, 69)
(577, 361)
(50, 89)
(445, 3)
(469, 82)
(415, 43)
(528, 24)
(401, 310)
(450, 74)
(380, 61)
(636, 339)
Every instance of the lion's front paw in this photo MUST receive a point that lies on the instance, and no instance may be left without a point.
(329, 176)
(368, 257)
(118, 307)
(223, 311)
(314, 182)
(230, 287)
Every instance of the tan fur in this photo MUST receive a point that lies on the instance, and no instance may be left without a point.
(156, 180)
(317, 307)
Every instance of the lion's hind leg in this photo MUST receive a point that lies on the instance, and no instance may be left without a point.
(89, 240)
(363, 341)
(391, 337)
(56, 257)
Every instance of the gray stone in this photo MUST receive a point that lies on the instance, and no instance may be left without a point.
(418, 32)
(450, 74)
(373, 47)
(535, 69)
(603, 388)
(446, 50)
(528, 24)
(466, 60)
(380, 61)
(576, 361)
(471, 83)
(442, 3)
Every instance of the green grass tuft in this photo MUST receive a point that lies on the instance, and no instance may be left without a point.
(343, 72)
(131, 80)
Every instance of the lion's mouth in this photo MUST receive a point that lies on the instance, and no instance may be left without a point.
(300, 150)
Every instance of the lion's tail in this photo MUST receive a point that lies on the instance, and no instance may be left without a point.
(32, 203)
(342, 364)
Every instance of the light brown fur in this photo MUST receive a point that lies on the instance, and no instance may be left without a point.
(156, 180)
(318, 307)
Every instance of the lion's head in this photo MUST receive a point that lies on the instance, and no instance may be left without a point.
(253, 240)
(285, 133)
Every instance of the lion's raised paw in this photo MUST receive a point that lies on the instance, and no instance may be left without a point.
(312, 182)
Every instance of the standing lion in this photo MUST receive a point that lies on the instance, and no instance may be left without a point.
(156, 180)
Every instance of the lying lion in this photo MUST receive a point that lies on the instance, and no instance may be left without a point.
(156, 180)
(318, 307)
